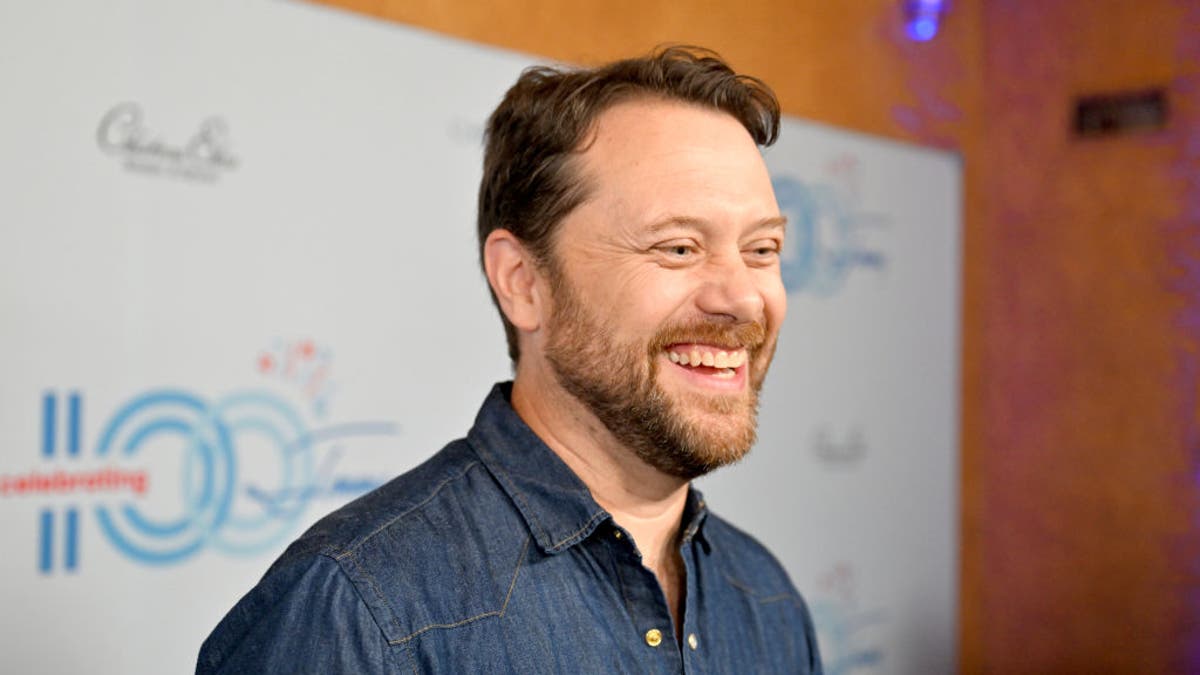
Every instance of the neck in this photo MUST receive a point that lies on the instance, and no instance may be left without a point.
(646, 502)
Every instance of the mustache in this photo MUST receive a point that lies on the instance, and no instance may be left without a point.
(749, 335)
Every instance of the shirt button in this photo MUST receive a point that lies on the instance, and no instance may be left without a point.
(654, 637)
(692, 641)
(617, 534)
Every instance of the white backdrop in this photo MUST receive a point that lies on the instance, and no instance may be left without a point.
(238, 287)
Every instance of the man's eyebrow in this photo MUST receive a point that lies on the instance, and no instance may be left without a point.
(676, 221)
(770, 222)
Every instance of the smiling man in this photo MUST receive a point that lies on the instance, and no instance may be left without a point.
(631, 240)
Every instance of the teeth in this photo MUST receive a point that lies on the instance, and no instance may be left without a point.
(720, 359)
(724, 374)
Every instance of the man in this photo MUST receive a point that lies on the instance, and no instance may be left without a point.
(631, 239)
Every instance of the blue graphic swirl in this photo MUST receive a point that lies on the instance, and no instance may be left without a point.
(149, 417)
(823, 244)
(250, 528)
(244, 434)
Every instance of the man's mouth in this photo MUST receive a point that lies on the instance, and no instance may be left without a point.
(715, 361)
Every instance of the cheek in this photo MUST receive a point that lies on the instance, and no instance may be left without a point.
(777, 308)
(774, 300)
(649, 299)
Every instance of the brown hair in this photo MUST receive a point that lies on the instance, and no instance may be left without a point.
(529, 182)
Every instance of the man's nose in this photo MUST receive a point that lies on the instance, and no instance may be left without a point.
(730, 289)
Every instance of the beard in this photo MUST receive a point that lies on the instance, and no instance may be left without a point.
(685, 435)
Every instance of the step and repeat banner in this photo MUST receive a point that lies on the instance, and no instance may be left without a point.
(238, 287)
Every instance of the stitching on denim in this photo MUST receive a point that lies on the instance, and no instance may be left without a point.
(513, 584)
(754, 594)
(353, 562)
(576, 533)
(350, 555)
(412, 661)
(422, 503)
(456, 624)
(495, 612)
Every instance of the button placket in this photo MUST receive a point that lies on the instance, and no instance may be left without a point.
(692, 656)
(644, 601)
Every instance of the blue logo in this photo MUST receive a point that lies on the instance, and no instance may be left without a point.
(827, 235)
(843, 629)
(247, 472)
(842, 647)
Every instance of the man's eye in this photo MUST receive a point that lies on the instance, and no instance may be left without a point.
(678, 250)
(764, 250)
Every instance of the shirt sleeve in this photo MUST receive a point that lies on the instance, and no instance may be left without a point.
(815, 665)
(306, 617)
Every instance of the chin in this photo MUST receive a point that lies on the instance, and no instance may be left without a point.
(708, 439)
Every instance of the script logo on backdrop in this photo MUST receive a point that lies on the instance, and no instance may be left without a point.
(172, 473)
(845, 450)
(203, 156)
(827, 229)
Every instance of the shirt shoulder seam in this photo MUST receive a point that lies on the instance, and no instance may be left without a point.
(745, 588)
(350, 558)
(340, 553)
(340, 561)
(496, 612)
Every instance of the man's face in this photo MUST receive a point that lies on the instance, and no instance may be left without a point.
(666, 286)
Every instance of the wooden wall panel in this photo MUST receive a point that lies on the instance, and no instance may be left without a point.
(841, 62)
(1089, 539)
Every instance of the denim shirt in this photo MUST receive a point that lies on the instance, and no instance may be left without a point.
(492, 557)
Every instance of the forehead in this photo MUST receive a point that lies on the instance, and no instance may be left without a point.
(671, 159)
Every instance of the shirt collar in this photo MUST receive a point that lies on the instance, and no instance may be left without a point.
(556, 505)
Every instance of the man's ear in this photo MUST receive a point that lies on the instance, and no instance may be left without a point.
(513, 276)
